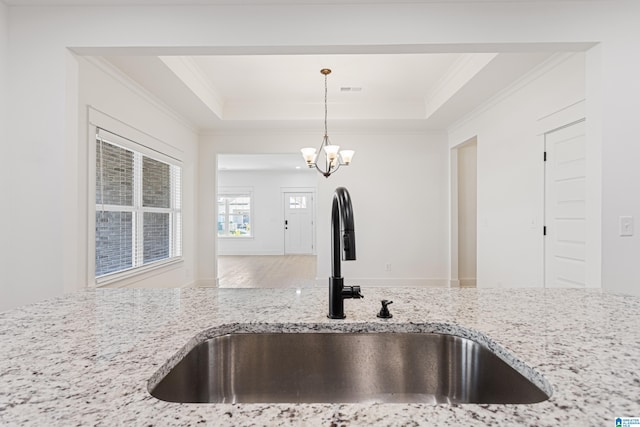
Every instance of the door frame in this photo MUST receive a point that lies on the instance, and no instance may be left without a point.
(454, 253)
(545, 216)
(312, 191)
(556, 120)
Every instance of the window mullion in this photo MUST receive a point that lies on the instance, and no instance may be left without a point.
(138, 226)
(114, 208)
(172, 215)
(227, 230)
(156, 210)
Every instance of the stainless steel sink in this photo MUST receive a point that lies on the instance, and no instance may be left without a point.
(344, 368)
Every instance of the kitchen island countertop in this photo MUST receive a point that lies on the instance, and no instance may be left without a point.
(86, 358)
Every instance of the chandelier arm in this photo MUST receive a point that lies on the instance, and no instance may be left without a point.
(338, 164)
(320, 152)
(328, 169)
(324, 143)
(328, 166)
(325, 173)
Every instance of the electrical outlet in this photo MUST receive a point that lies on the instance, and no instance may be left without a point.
(388, 267)
(626, 226)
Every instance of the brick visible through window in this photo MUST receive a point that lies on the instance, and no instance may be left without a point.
(138, 208)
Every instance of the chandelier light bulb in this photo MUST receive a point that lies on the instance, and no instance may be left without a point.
(309, 155)
(332, 151)
(347, 155)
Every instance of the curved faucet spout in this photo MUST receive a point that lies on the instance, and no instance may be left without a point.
(343, 239)
(342, 222)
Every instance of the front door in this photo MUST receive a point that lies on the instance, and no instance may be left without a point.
(298, 223)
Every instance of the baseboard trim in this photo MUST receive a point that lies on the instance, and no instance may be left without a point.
(390, 282)
(206, 283)
(251, 253)
(468, 283)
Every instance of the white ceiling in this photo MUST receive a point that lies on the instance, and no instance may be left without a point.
(398, 91)
(297, 79)
(240, 2)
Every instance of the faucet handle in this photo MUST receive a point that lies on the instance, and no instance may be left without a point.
(384, 311)
(356, 292)
(352, 292)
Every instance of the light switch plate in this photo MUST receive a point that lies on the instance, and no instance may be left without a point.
(626, 226)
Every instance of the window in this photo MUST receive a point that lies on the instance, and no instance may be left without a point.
(138, 207)
(297, 202)
(234, 215)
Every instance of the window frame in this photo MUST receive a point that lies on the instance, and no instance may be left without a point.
(142, 145)
(235, 192)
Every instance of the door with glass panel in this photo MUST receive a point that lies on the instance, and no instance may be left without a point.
(298, 223)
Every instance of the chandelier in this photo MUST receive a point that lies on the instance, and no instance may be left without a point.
(333, 157)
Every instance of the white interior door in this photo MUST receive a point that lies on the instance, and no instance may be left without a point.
(565, 220)
(298, 223)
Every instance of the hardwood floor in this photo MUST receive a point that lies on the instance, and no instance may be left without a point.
(270, 271)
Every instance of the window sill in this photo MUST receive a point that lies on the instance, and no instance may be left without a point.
(127, 277)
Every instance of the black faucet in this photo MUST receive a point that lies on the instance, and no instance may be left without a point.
(341, 220)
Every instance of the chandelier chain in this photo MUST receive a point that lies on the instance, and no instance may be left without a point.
(325, 105)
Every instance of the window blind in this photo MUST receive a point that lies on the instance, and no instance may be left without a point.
(138, 206)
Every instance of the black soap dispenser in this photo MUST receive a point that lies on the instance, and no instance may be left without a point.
(384, 311)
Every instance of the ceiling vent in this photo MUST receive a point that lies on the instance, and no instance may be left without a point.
(350, 89)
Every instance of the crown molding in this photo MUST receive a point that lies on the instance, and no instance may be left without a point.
(191, 74)
(539, 71)
(115, 73)
(288, 131)
(458, 75)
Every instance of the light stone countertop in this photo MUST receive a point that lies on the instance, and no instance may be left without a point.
(85, 358)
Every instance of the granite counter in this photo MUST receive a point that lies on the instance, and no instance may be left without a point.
(86, 358)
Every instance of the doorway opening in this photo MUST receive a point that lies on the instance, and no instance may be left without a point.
(266, 221)
(464, 160)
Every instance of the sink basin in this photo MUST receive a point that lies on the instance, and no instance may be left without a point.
(344, 368)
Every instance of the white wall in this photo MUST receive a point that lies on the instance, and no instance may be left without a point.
(397, 183)
(103, 89)
(467, 213)
(399, 203)
(39, 78)
(36, 147)
(511, 172)
(5, 286)
(4, 61)
(620, 157)
(268, 208)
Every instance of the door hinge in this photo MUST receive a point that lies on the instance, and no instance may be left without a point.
(544, 230)
(545, 156)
